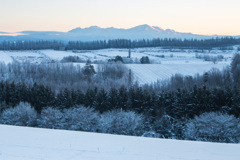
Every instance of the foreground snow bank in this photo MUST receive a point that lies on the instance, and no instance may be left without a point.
(22, 143)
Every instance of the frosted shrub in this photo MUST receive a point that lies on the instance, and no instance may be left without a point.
(81, 118)
(214, 127)
(21, 115)
(164, 127)
(51, 118)
(121, 122)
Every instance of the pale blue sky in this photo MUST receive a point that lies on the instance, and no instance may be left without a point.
(197, 16)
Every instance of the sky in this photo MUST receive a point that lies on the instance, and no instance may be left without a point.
(206, 17)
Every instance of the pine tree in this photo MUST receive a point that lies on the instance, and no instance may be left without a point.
(113, 98)
(131, 99)
(122, 98)
(13, 99)
(139, 100)
(90, 97)
(67, 98)
(80, 97)
(101, 102)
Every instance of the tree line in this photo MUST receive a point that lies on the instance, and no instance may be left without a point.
(121, 43)
(177, 104)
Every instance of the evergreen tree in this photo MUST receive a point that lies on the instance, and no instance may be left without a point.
(131, 99)
(80, 97)
(90, 97)
(113, 98)
(122, 98)
(101, 102)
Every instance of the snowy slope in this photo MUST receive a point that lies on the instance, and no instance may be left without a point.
(21, 143)
(149, 73)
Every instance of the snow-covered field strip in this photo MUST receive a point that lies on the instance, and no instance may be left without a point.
(57, 55)
(148, 73)
(22, 143)
(23, 53)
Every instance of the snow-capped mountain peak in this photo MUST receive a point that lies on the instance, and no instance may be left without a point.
(144, 31)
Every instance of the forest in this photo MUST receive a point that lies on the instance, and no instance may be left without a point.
(64, 96)
(220, 42)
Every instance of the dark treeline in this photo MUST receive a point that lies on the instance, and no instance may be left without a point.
(121, 43)
(180, 104)
(30, 45)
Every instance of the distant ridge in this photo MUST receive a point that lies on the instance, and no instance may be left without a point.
(97, 33)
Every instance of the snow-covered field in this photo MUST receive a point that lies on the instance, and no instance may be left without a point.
(23, 143)
(165, 62)
(149, 73)
(4, 57)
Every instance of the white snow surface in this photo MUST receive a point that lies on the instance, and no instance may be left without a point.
(25, 143)
(57, 55)
(149, 73)
(4, 57)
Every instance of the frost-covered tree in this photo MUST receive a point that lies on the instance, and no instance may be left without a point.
(214, 127)
(88, 70)
(121, 122)
(51, 118)
(22, 115)
(81, 118)
(113, 70)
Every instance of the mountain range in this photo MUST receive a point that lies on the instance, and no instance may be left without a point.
(97, 33)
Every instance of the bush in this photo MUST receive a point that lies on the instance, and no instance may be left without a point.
(81, 118)
(215, 127)
(72, 59)
(51, 118)
(121, 122)
(118, 58)
(21, 115)
(144, 60)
